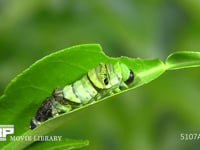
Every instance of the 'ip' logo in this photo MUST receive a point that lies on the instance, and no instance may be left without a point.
(5, 130)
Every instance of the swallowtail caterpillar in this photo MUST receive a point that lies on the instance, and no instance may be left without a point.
(99, 82)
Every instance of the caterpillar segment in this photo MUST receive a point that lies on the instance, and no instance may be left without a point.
(99, 82)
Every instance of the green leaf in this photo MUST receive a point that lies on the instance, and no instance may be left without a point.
(183, 59)
(66, 144)
(25, 93)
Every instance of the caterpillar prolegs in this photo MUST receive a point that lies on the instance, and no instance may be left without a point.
(99, 82)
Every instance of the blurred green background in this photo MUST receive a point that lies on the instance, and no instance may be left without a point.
(148, 118)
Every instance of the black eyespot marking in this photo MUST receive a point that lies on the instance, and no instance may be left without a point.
(106, 81)
(131, 78)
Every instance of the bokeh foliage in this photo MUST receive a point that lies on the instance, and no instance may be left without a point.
(151, 117)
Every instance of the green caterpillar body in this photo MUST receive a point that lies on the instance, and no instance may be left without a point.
(99, 82)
